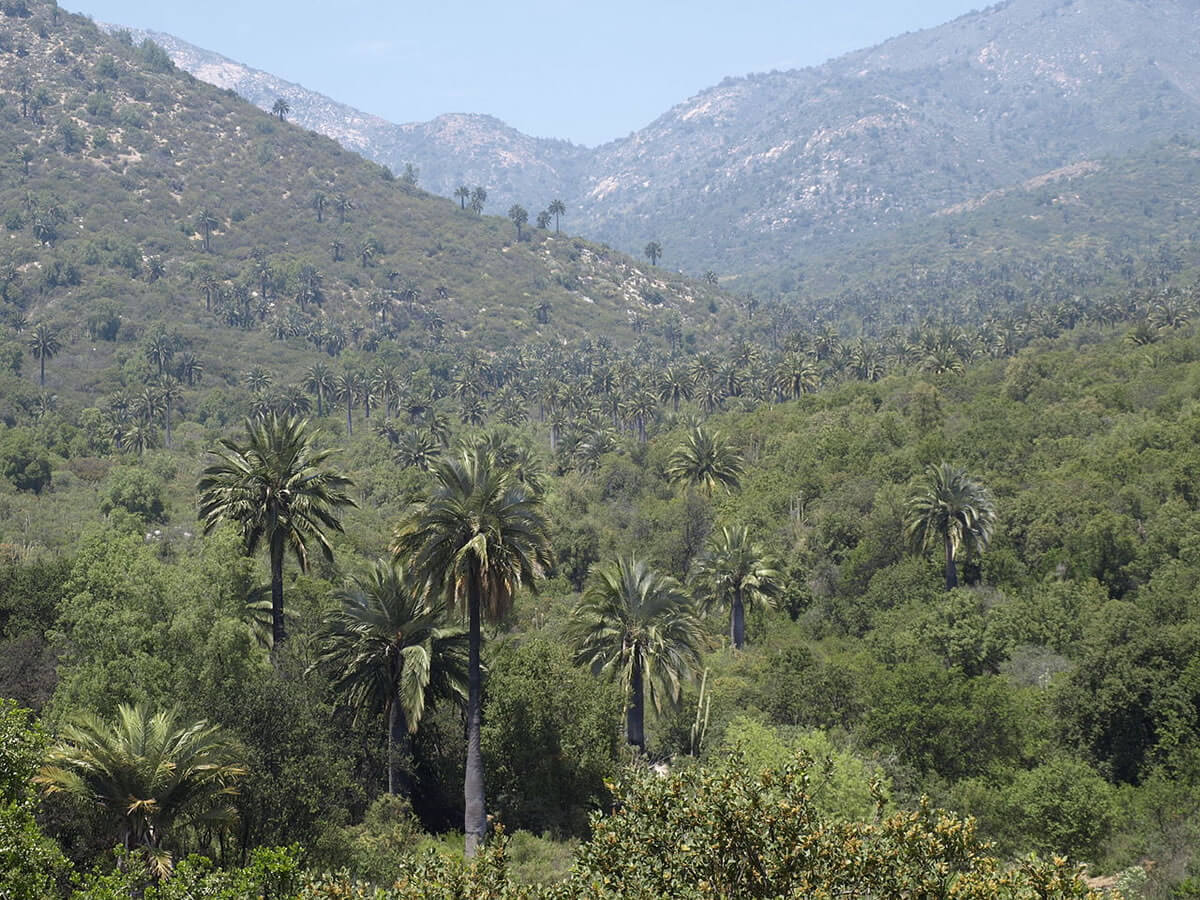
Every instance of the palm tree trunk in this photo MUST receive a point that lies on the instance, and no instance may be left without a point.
(951, 569)
(475, 819)
(167, 422)
(42, 360)
(635, 711)
(349, 420)
(277, 633)
(398, 740)
(320, 402)
(737, 621)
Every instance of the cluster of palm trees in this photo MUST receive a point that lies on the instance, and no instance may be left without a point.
(474, 197)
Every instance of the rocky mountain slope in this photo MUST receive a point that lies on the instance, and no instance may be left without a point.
(761, 171)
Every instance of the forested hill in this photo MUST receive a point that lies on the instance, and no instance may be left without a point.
(764, 172)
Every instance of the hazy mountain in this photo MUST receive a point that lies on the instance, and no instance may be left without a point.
(763, 171)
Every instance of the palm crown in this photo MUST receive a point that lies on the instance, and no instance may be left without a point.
(950, 505)
(735, 572)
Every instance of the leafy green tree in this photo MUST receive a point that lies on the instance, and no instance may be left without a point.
(276, 487)
(653, 252)
(639, 628)
(478, 538)
(391, 650)
(556, 208)
(705, 460)
(44, 344)
(151, 772)
(734, 572)
(519, 216)
(950, 505)
(543, 219)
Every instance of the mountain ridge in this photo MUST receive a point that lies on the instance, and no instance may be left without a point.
(762, 170)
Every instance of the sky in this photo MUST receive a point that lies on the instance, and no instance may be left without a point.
(588, 73)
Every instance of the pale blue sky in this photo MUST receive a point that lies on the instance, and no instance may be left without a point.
(551, 68)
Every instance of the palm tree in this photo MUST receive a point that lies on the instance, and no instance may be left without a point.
(543, 219)
(281, 108)
(795, 375)
(160, 350)
(949, 504)
(277, 488)
(734, 572)
(348, 388)
(44, 345)
(206, 222)
(478, 538)
(318, 203)
(150, 771)
(519, 217)
(637, 626)
(392, 652)
(319, 380)
(170, 390)
(653, 252)
(478, 198)
(463, 193)
(556, 209)
(675, 385)
(343, 205)
(705, 460)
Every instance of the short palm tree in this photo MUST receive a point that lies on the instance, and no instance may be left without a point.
(950, 505)
(705, 460)
(735, 572)
(150, 771)
(277, 487)
(478, 538)
(392, 651)
(638, 627)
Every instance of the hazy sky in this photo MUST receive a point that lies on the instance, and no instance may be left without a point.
(587, 72)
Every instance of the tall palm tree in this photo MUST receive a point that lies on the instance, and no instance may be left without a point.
(278, 489)
(654, 252)
(639, 627)
(319, 380)
(170, 390)
(951, 505)
(207, 223)
(463, 193)
(556, 208)
(348, 388)
(44, 345)
(281, 108)
(734, 572)
(150, 771)
(392, 651)
(706, 461)
(478, 538)
(318, 203)
(519, 216)
(675, 384)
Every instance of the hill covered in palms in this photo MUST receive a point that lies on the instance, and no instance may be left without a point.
(137, 198)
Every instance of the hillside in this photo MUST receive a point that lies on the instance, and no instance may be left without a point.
(762, 171)
(136, 198)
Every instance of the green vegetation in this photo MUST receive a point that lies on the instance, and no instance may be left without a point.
(702, 454)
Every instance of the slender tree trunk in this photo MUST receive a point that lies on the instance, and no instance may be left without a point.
(475, 820)
(737, 621)
(277, 633)
(951, 569)
(349, 420)
(635, 711)
(398, 741)
(42, 360)
(320, 403)
(167, 423)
